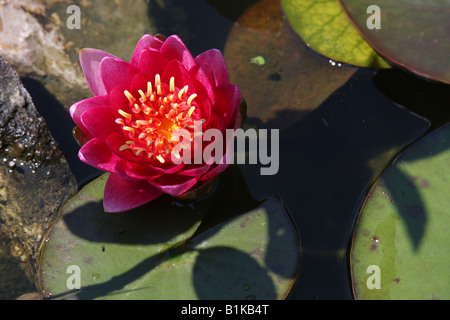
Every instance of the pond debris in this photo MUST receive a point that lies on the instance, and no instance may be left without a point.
(31, 296)
(258, 60)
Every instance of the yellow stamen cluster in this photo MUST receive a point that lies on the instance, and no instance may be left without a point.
(149, 120)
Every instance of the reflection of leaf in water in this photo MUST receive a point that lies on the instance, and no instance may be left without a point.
(292, 82)
(324, 172)
(426, 98)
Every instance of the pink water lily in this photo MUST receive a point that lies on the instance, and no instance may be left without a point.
(137, 106)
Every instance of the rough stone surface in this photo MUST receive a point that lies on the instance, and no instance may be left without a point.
(23, 133)
(36, 39)
(35, 179)
(32, 42)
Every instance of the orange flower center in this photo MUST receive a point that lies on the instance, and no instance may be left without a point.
(151, 119)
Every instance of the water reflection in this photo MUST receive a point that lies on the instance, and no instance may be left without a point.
(326, 170)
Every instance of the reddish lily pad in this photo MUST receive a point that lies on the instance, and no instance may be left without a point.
(400, 248)
(163, 251)
(413, 34)
(280, 78)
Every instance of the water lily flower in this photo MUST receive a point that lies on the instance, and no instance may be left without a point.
(138, 105)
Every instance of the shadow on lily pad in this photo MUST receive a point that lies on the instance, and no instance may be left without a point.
(164, 251)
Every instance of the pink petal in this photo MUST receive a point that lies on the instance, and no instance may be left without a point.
(174, 185)
(174, 48)
(135, 172)
(196, 170)
(121, 195)
(97, 154)
(219, 168)
(214, 59)
(100, 122)
(167, 168)
(117, 98)
(115, 141)
(77, 109)
(202, 110)
(147, 41)
(151, 63)
(238, 121)
(90, 60)
(204, 81)
(228, 101)
(215, 122)
(182, 77)
(116, 72)
(139, 82)
(197, 186)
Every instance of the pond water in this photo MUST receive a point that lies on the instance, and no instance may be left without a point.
(329, 155)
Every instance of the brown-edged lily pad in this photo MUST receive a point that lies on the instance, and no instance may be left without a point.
(281, 79)
(412, 34)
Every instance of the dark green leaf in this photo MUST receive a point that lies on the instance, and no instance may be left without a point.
(413, 34)
(154, 252)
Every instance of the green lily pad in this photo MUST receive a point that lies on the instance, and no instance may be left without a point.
(403, 226)
(412, 34)
(325, 27)
(159, 251)
(281, 80)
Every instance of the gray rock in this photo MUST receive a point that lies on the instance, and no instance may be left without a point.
(32, 42)
(35, 179)
(23, 133)
(36, 40)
